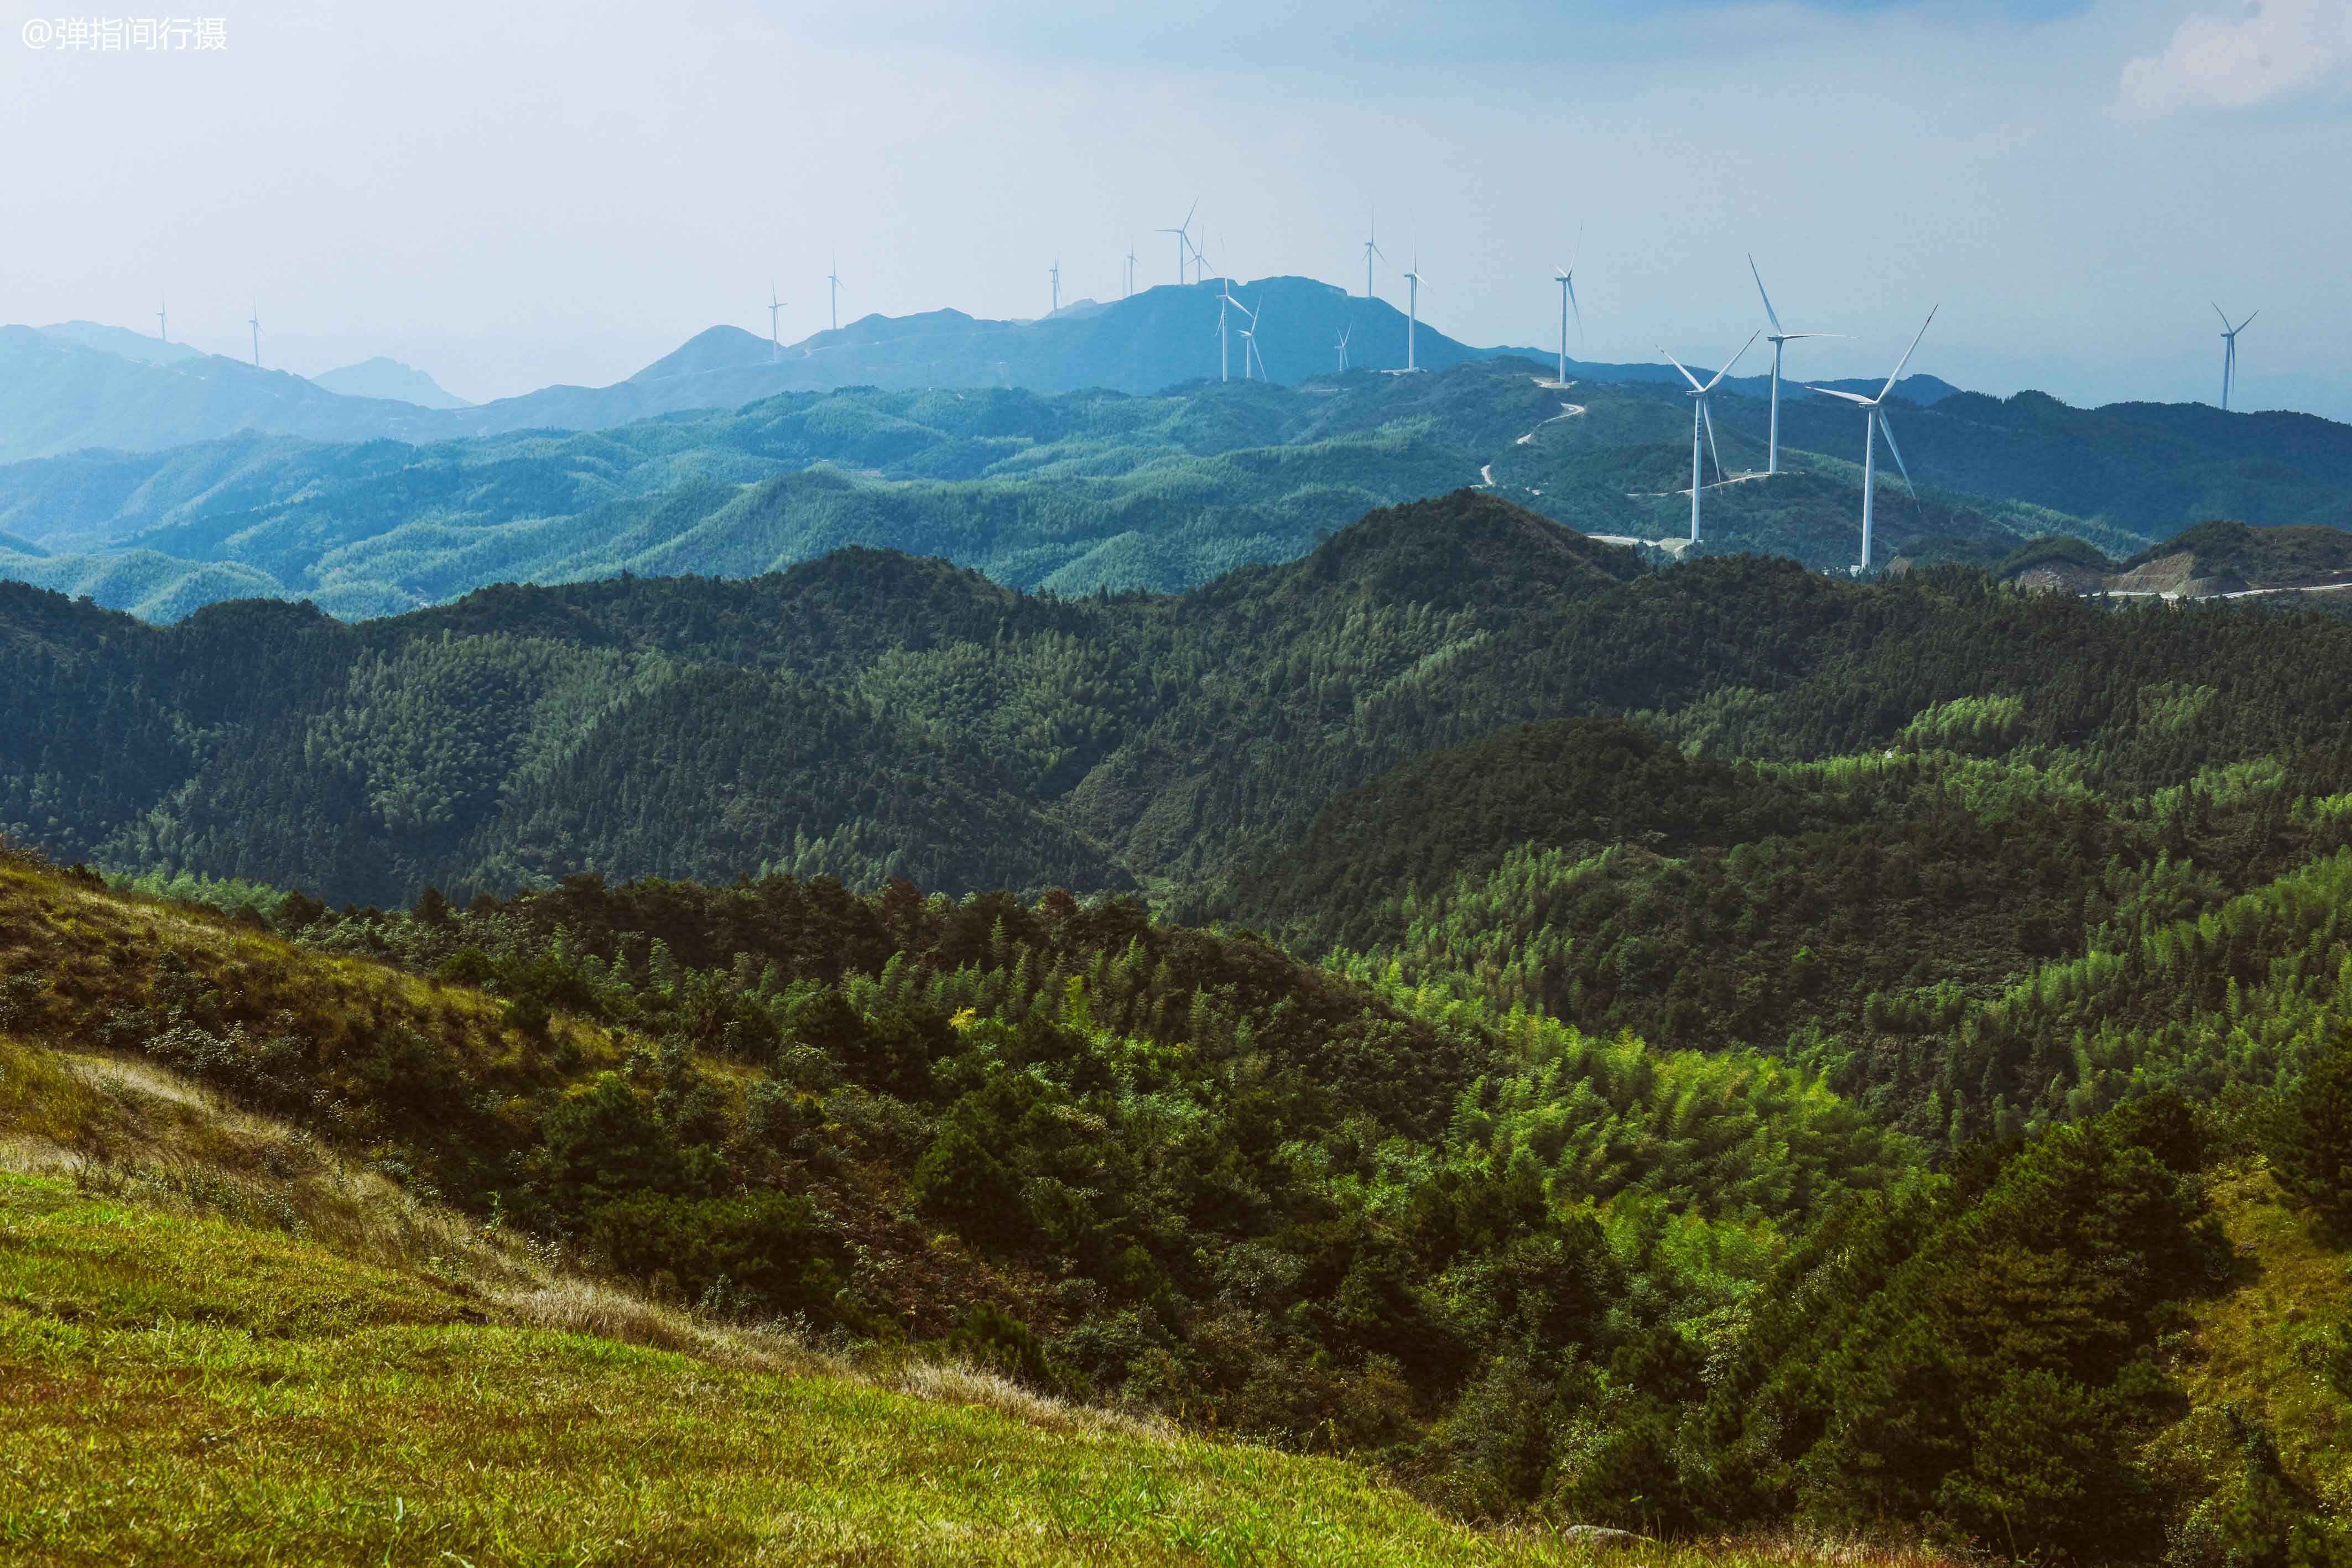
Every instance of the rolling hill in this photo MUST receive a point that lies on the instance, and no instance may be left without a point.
(1087, 491)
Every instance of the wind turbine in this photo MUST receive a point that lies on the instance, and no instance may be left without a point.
(163, 327)
(1874, 426)
(1413, 311)
(257, 337)
(775, 345)
(833, 278)
(1777, 339)
(1183, 239)
(1226, 301)
(1055, 272)
(1566, 276)
(1129, 293)
(1371, 249)
(1250, 350)
(1342, 346)
(1700, 418)
(2230, 352)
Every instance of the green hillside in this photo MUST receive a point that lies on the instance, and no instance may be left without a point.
(1132, 1174)
(1086, 491)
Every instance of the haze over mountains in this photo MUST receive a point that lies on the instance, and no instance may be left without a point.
(57, 402)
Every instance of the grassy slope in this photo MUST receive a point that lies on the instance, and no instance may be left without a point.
(175, 1382)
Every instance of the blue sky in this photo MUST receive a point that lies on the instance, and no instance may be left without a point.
(561, 192)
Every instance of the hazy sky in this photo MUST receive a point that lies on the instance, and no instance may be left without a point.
(513, 194)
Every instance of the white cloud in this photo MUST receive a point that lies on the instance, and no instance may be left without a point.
(2270, 50)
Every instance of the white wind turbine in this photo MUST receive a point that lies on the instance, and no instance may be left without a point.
(1129, 292)
(1226, 302)
(1055, 272)
(1341, 345)
(162, 325)
(2230, 352)
(1778, 339)
(1250, 350)
(1183, 239)
(1874, 426)
(256, 324)
(1701, 417)
(1371, 249)
(834, 279)
(775, 344)
(1566, 277)
(1412, 311)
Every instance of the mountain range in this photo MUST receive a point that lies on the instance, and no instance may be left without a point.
(142, 394)
(1087, 491)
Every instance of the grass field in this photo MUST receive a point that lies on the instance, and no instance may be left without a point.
(220, 1343)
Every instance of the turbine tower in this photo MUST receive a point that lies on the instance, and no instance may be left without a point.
(1412, 311)
(2230, 352)
(1055, 272)
(1566, 277)
(1874, 426)
(833, 278)
(1777, 339)
(1183, 240)
(1342, 346)
(257, 337)
(1702, 418)
(1226, 301)
(162, 326)
(1371, 249)
(1250, 350)
(775, 345)
(1129, 292)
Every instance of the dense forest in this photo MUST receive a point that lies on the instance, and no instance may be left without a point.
(1529, 1272)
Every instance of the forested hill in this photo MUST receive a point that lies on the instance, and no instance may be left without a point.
(871, 714)
(1091, 490)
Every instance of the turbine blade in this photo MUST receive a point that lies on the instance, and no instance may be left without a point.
(1907, 353)
(2225, 318)
(1684, 369)
(1855, 398)
(1572, 304)
(1758, 276)
(1888, 430)
(1708, 416)
(2246, 323)
(1734, 360)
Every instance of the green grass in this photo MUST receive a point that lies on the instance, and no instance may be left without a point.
(177, 1387)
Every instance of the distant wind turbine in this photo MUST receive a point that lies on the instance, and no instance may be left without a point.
(775, 344)
(1250, 350)
(1778, 339)
(1183, 239)
(2230, 352)
(1225, 302)
(1129, 292)
(163, 327)
(1412, 311)
(1874, 426)
(257, 337)
(1566, 276)
(833, 278)
(1054, 271)
(1702, 418)
(1342, 346)
(1371, 249)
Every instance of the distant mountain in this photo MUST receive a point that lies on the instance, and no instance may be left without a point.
(1163, 337)
(1091, 491)
(59, 395)
(121, 343)
(389, 379)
